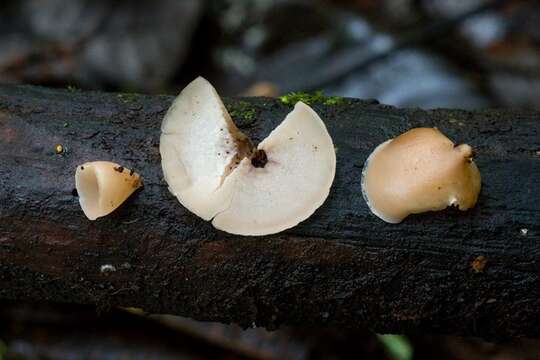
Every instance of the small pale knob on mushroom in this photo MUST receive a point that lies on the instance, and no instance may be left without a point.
(103, 186)
(420, 170)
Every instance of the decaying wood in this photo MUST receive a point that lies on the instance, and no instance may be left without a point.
(342, 267)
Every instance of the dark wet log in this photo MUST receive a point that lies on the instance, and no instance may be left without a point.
(342, 267)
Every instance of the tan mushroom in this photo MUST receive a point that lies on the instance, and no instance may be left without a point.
(213, 170)
(102, 186)
(420, 170)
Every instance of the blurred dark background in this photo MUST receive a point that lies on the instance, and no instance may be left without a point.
(408, 53)
(427, 53)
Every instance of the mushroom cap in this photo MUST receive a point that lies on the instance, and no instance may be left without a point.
(207, 164)
(420, 170)
(295, 181)
(199, 147)
(103, 186)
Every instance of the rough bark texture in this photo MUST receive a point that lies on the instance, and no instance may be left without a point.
(341, 267)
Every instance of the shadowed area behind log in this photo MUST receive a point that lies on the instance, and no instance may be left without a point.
(343, 266)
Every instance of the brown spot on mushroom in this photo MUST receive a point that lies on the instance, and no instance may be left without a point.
(479, 263)
(131, 172)
(120, 169)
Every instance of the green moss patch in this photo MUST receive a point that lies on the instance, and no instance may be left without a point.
(311, 98)
(72, 88)
(242, 109)
(128, 97)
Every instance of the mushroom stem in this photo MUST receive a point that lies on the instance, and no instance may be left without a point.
(259, 158)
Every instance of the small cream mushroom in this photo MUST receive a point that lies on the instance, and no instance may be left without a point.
(103, 186)
(420, 170)
(214, 171)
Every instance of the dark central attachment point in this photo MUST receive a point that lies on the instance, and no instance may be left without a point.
(259, 159)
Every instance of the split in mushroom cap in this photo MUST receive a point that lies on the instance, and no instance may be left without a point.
(420, 170)
(210, 167)
(102, 186)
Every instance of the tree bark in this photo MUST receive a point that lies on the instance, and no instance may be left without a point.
(341, 267)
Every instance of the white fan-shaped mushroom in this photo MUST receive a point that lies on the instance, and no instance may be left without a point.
(200, 146)
(420, 170)
(103, 186)
(210, 167)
